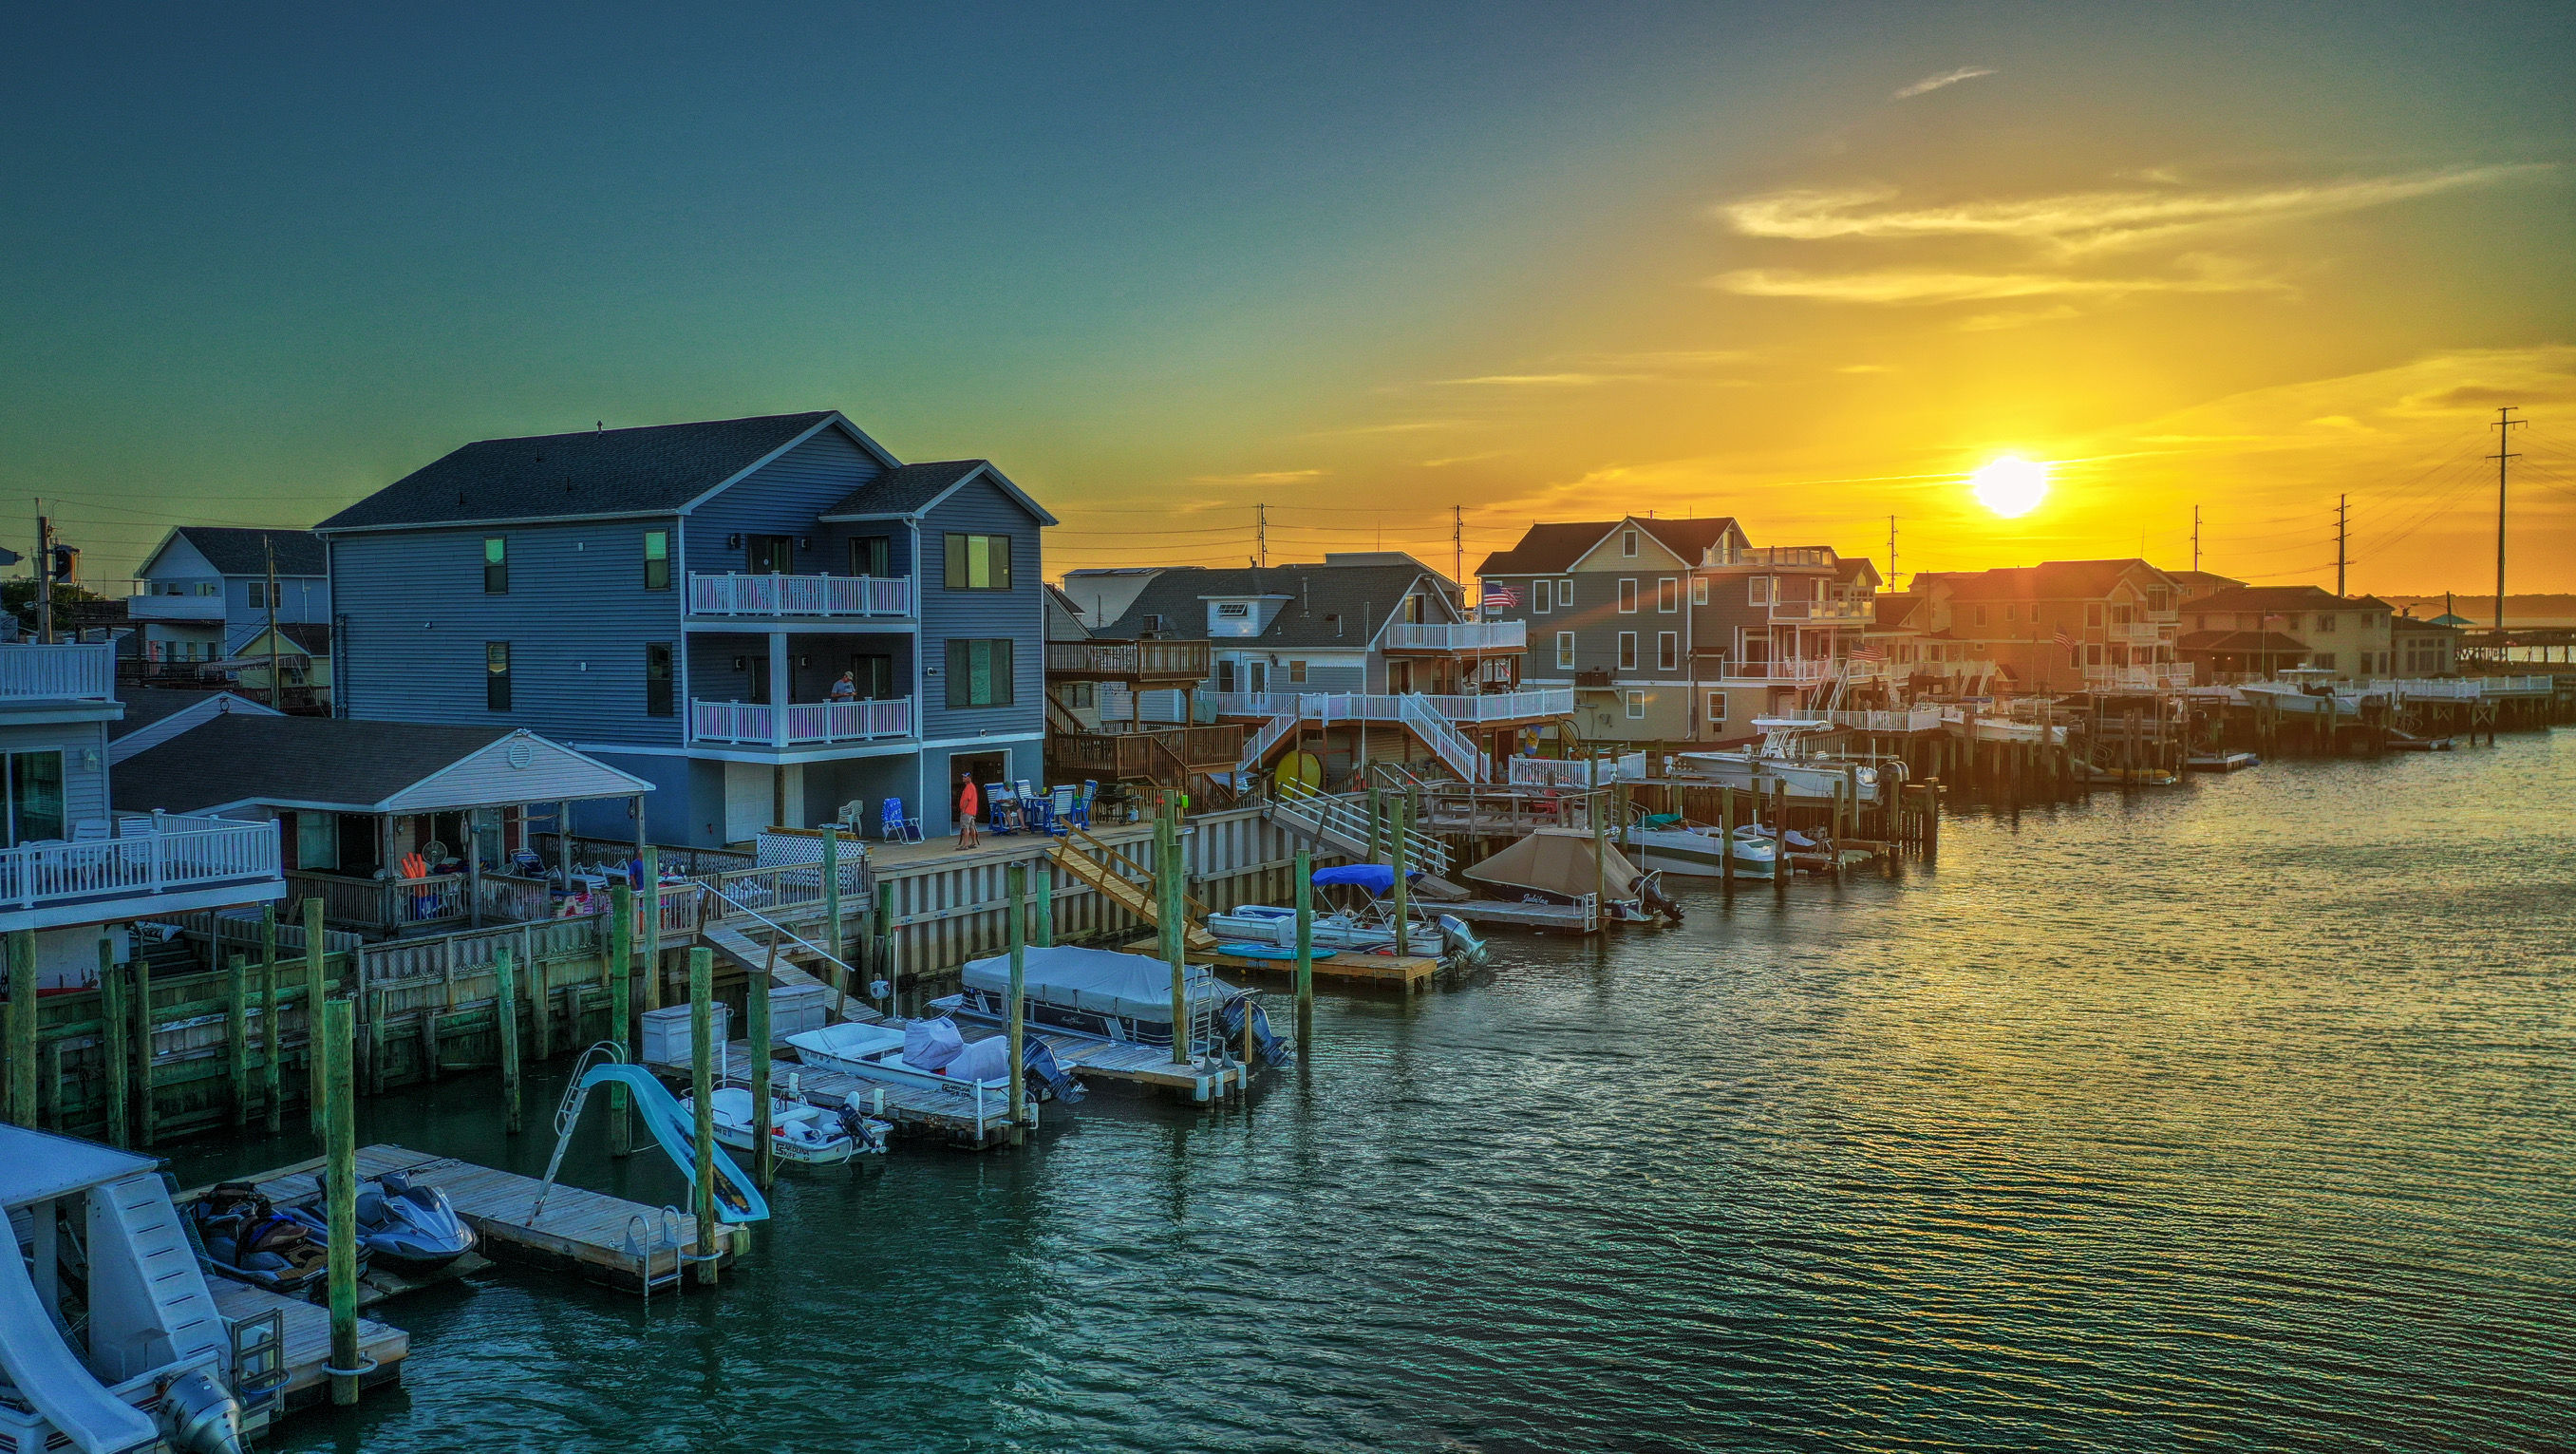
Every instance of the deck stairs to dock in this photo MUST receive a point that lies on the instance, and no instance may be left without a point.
(1454, 748)
(1341, 822)
(734, 942)
(139, 1242)
(1103, 877)
(1256, 748)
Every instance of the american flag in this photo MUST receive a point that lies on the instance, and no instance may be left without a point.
(1868, 651)
(2064, 639)
(1501, 598)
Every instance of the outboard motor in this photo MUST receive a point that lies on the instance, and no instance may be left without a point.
(1652, 898)
(1468, 950)
(862, 1128)
(1229, 1018)
(1039, 1064)
(199, 1415)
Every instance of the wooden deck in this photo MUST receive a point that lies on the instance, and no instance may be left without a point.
(584, 1232)
(308, 1340)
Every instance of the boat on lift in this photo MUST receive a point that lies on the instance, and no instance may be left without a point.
(1367, 926)
(1668, 843)
(1557, 866)
(1122, 999)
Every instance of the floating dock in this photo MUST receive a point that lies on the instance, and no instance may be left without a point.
(307, 1331)
(603, 1238)
(1347, 967)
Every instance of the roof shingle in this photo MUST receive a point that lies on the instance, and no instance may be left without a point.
(234, 551)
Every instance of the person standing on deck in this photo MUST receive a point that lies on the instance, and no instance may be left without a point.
(845, 690)
(969, 803)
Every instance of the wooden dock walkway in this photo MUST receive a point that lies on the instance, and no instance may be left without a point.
(307, 1327)
(586, 1233)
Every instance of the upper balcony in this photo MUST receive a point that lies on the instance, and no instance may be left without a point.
(1473, 709)
(799, 725)
(1127, 661)
(2138, 633)
(175, 601)
(737, 597)
(1826, 613)
(139, 867)
(72, 671)
(1461, 638)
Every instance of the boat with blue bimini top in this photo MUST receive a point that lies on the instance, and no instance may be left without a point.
(1115, 998)
(1366, 923)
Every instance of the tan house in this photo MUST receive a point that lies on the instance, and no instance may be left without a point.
(2422, 648)
(2060, 626)
(2256, 631)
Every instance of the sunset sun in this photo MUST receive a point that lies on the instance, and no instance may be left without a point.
(2010, 485)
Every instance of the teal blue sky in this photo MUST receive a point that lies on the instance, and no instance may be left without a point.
(1363, 264)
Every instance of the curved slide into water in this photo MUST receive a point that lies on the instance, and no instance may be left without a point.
(57, 1383)
(737, 1199)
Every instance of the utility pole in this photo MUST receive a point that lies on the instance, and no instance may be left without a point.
(45, 576)
(1891, 552)
(276, 683)
(2504, 451)
(1261, 535)
(2195, 540)
(1458, 549)
(2343, 533)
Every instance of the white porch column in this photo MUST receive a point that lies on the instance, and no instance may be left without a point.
(778, 689)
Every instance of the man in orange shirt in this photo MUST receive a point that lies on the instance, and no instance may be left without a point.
(970, 801)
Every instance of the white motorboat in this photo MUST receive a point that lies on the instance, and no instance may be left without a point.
(801, 1133)
(877, 1052)
(1698, 850)
(1104, 995)
(1271, 927)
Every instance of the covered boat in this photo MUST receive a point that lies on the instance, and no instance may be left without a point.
(1102, 994)
(1558, 865)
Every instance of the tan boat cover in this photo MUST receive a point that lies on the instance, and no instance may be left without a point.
(1555, 861)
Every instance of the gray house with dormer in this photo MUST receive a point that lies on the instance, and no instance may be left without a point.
(203, 592)
(680, 601)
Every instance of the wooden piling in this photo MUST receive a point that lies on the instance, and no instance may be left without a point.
(237, 1036)
(1780, 869)
(22, 1028)
(272, 1055)
(117, 1041)
(883, 955)
(1305, 952)
(317, 988)
(333, 1042)
(755, 1007)
(832, 913)
(1167, 884)
(505, 1014)
(1395, 847)
(1019, 878)
(147, 1111)
(1046, 904)
(702, 1090)
(621, 1008)
(1726, 839)
(652, 927)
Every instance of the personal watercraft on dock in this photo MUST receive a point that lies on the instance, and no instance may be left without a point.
(399, 1224)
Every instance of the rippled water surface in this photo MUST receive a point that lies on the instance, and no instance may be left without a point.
(2234, 1116)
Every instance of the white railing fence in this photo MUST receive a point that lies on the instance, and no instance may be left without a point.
(204, 852)
(806, 723)
(779, 594)
(1390, 707)
(1344, 817)
(1458, 636)
(1446, 742)
(70, 669)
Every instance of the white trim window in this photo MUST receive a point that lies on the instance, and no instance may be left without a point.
(1627, 651)
(1636, 706)
(1668, 595)
(1628, 543)
(1539, 594)
(1668, 651)
(1565, 651)
(1716, 708)
(1757, 590)
(1565, 593)
(1627, 595)
(1699, 590)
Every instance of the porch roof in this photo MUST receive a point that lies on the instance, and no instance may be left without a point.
(339, 764)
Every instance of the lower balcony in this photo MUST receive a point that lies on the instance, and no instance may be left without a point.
(139, 867)
(799, 724)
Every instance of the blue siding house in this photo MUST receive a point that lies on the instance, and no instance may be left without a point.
(679, 601)
(202, 595)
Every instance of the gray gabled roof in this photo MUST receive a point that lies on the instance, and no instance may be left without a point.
(657, 469)
(235, 551)
(912, 488)
(346, 763)
(147, 705)
(1360, 595)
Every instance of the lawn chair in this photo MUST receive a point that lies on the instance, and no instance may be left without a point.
(894, 827)
(1001, 810)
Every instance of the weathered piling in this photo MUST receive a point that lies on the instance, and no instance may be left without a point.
(272, 1051)
(317, 988)
(505, 1013)
(1046, 905)
(1305, 952)
(22, 1028)
(147, 1111)
(1726, 838)
(1167, 885)
(755, 1008)
(1395, 861)
(702, 1090)
(832, 913)
(237, 1036)
(118, 1046)
(333, 1041)
(1780, 870)
(621, 1008)
(1019, 877)
(652, 928)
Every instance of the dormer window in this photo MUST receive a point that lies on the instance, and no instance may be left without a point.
(1628, 543)
(1233, 610)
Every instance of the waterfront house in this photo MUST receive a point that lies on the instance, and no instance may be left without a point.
(1363, 656)
(2060, 626)
(1679, 630)
(203, 592)
(2239, 630)
(678, 601)
(1119, 709)
(76, 870)
(2423, 648)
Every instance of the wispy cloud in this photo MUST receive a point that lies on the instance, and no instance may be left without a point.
(1540, 381)
(1864, 369)
(1442, 464)
(2079, 222)
(1258, 477)
(1901, 285)
(1946, 78)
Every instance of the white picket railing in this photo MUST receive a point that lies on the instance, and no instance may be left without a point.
(778, 594)
(1343, 820)
(187, 853)
(1263, 740)
(71, 669)
(1447, 743)
(1458, 636)
(805, 723)
(1389, 707)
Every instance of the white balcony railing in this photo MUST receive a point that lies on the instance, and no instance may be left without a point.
(734, 594)
(2138, 678)
(84, 670)
(149, 604)
(1389, 706)
(2134, 633)
(804, 724)
(155, 855)
(1824, 613)
(1463, 636)
(1795, 669)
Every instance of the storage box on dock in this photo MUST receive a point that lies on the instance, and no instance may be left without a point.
(795, 1009)
(666, 1033)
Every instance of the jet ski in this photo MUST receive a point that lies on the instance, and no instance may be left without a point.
(240, 1234)
(402, 1225)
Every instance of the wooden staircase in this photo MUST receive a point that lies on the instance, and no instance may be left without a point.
(1138, 899)
(756, 958)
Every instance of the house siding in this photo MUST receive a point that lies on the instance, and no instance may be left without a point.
(782, 497)
(982, 507)
(413, 621)
(84, 749)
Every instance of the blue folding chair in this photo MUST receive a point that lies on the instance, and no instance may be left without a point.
(894, 827)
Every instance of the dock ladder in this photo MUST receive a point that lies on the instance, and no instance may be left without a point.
(646, 1235)
(257, 1366)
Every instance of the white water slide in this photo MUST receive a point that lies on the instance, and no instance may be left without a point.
(51, 1378)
